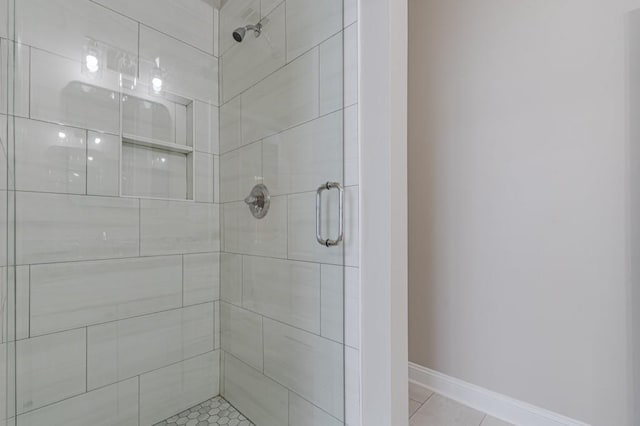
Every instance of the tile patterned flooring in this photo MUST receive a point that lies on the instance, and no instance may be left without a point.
(429, 409)
(215, 411)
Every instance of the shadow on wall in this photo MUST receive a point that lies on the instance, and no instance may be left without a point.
(634, 214)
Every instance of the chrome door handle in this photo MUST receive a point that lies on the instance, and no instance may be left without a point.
(327, 187)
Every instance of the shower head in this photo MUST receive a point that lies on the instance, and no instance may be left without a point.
(239, 33)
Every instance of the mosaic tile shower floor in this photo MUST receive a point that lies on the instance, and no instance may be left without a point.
(215, 411)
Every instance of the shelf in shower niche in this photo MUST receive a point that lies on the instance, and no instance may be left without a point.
(152, 143)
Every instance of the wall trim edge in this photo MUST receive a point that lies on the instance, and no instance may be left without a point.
(495, 404)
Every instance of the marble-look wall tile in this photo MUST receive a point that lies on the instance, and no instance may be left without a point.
(189, 72)
(351, 65)
(240, 170)
(246, 63)
(265, 237)
(4, 33)
(284, 290)
(331, 74)
(303, 413)
(188, 20)
(169, 390)
(50, 368)
(241, 334)
(351, 147)
(103, 164)
(116, 404)
(284, 99)
(230, 125)
(153, 172)
(308, 364)
(126, 348)
(201, 278)
(151, 118)
(203, 182)
(19, 55)
(194, 227)
(256, 396)
(76, 294)
(305, 157)
(231, 278)
(61, 93)
(341, 304)
(266, 6)
(57, 228)
(205, 128)
(309, 22)
(65, 26)
(50, 157)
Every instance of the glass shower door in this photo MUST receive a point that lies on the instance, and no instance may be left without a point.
(177, 212)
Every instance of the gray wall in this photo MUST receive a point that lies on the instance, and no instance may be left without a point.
(519, 213)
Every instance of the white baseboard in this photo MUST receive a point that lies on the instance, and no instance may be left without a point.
(500, 406)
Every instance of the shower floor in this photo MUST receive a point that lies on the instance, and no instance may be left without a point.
(215, 411)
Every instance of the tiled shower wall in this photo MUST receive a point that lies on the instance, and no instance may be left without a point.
(116, 297)
(288, 119)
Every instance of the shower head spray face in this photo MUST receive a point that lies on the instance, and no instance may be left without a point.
(239, 33)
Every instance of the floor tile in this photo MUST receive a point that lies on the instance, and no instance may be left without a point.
(215, 411)
(413, 407)
(492, 421)
(441, 411)
(419, 393)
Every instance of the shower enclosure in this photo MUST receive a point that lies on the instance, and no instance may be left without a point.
(178, 194)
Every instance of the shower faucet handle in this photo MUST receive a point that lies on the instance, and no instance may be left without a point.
(258, 201)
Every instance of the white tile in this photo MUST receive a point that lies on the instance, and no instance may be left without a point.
(303, 413)
(413, 407)
(492, 421)
(182, 124)
(194, 227)
(419, 393)
(241, 334)
(68, 295)
(439, 410)
(216, 30)
(5, 87)
(170, 390)
(50, 368)
(55, 228)
(302, 228)
(231, 278)
(205, 128)
(286, 98)
(351, 146)
(65, 26)
(216, 324)
(331, 74)
(333, 295)
(230, 126)
(284, 290)
(266, 6)
(351, 65)
(22, 301)
(352, 386)
(240, 171)
(201, 278)
(203, 181)
(216, 179)
(308, 364)
(188, 20)
(21, 88)
(62, 94)
(112, 405)
(246, 63)
(262, 237)
(305, 157)
(189, 72)
(309, 22)
(50, 157)
(350, 14)
(4, 404)
(152, 118)
(153, 172)
(103, 164)
(234, 14)
(255, 395)
(126, 348)
(3, 23)
(3, 155)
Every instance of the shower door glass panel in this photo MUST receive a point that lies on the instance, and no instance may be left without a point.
(137, 287)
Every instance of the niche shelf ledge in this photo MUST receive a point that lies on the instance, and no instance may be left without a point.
(152, 143)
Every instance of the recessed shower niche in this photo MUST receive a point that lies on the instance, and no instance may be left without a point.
(158, 156)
